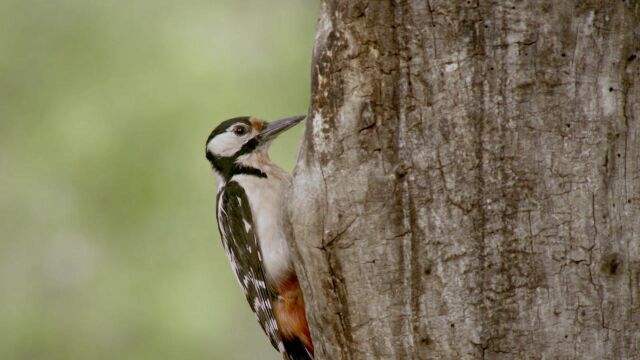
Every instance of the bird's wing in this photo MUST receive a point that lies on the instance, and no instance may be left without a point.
(240, 241)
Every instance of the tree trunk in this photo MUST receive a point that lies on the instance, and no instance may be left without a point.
(468, 186)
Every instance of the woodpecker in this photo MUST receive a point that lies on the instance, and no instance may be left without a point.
(249, 206)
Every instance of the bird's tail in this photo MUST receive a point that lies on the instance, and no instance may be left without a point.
(294, 349)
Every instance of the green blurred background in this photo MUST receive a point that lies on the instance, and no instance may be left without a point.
(108, 243)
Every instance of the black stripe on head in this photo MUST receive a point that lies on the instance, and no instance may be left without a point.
(227, 166)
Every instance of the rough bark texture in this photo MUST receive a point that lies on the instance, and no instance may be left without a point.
(469, 182)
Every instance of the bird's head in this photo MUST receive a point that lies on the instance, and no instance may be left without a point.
(233, 139)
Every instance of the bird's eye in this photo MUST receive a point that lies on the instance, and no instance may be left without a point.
(240, 130)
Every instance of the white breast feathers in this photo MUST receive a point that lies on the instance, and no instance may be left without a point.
(266, 200)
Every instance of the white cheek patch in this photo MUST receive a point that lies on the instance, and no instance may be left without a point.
(228, 143)
(225, 144)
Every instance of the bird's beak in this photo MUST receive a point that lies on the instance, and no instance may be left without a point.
(275, 128)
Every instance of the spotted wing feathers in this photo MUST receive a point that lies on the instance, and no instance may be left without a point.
(240, 242)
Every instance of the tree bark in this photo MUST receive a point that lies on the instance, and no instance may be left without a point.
(468, 186)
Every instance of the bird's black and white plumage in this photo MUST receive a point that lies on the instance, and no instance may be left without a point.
(249, 215)
(240, 242)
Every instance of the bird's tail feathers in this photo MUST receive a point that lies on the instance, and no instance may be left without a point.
(294, 349)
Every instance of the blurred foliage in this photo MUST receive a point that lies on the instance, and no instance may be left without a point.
(108, 243)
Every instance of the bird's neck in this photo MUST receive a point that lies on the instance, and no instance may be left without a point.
(255, 163)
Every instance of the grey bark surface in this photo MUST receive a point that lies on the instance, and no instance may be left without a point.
(468, 186)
